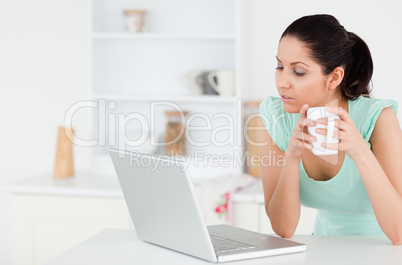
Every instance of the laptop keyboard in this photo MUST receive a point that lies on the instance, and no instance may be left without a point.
(222, 245)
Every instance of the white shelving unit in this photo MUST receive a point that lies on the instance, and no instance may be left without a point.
(163, 36)
(129, 71)
(147, 98)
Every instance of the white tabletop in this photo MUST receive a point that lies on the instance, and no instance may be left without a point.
(115, 246)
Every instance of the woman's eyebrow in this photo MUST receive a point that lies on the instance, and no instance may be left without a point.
(293, 62)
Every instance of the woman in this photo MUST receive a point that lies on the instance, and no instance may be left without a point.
(359, 190)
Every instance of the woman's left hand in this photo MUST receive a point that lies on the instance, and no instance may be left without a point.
(350, 139)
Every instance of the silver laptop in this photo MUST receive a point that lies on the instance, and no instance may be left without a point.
(164, 210)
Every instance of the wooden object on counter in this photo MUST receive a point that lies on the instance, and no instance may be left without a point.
(64, 165)
(251, 121)
(175, 133)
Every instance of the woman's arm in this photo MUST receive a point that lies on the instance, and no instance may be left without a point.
(380, 168)
(281, 194)
(281, 180)
(381, 172)
(281, 185)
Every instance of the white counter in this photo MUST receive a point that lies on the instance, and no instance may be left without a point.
(82, 184)
(50, 215)
(123, 247)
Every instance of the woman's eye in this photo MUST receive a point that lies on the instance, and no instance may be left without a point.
(299, 73)
(279, 67)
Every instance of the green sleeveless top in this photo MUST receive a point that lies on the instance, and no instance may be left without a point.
(343, 204)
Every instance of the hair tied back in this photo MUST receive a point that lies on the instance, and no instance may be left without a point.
(332, 46)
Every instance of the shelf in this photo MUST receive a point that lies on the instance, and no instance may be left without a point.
(161, 36)
(151, 71)
(148, 98)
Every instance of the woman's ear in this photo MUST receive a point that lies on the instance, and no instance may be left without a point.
(336, 77)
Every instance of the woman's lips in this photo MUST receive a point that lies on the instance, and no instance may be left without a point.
(286, 98)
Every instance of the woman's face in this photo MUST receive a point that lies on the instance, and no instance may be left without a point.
(299, 79)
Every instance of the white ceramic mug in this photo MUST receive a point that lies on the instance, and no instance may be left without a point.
(205, 84)
(223, 81)
(318, 113)
(190, 81)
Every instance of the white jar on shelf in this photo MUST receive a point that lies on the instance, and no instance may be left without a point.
(134, 19)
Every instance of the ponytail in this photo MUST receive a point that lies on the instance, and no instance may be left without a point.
(359, 70)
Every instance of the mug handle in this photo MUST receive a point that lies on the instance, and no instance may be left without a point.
(212, 82)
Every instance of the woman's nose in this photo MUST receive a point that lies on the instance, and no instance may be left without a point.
(282, 80)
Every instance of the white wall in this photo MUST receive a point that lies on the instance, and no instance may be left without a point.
(379, 23)
(43, 70)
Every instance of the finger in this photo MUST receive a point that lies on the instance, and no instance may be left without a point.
(303, 111)
(339, 124)
(342, 113)
(330, 146)
(303, 122)
(324, 121)
(303, 136)
(336, 134)
(308, 146)
(300, 143)
(322, 131)
(308, 122)
(307, 137)
(305, 141)
(305, 145)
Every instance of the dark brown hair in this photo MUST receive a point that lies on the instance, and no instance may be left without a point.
(331, 46)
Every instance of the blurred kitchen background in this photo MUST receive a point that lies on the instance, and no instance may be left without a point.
(56, 54)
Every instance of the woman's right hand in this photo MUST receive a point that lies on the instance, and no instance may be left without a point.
(300, 139)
